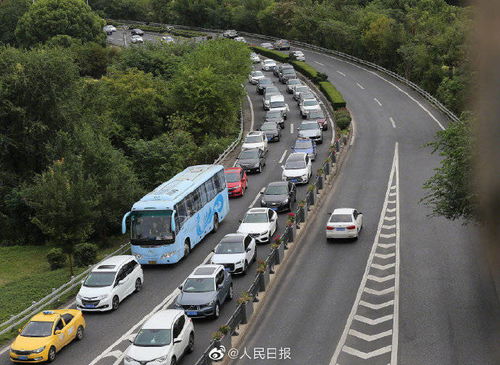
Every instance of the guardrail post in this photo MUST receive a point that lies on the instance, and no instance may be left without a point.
(319, 182)
(337, 145)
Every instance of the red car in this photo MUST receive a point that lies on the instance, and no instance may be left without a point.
(236, 180)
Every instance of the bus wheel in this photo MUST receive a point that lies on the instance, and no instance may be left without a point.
(187, 248)
(216, 223)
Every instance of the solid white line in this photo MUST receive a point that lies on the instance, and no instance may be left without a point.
(395, 325)
(209, 256)
(353, 122)
(291, 128)
(251, 112)
(360, 86)
(378, 102)
(283, 156)
(256, 198)
(369, 264)
(343, 74)
(392, 122)
(5, 349)
(319, 63)
(70, 304)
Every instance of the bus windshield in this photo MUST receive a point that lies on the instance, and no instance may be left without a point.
(152, 227)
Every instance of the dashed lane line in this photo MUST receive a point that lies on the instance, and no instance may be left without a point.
(360, 86)
(377, 101)
(392, 122)
(283, 156)
(319, 63)
(256, 198)
(340, 72)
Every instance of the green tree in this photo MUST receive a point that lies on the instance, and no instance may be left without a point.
(10, 12)
(450, 190)
(48, 18)
(64, 201)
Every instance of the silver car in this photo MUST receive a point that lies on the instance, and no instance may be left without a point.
(306, 105)
(291, 84)
(255, 76)
(311, 129)
(298, 90)
(270, 91)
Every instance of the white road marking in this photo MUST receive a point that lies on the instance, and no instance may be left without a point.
(360, 86)
(392, 122)
(291, 128)
(252, 116)
(70, 304)
(383, 256)
(209, 256)
(340, 72)
(256, 198)
(5, 349)
(377, 101)
(342, 345)
(369, 338)
(319, 63)
(282, 156)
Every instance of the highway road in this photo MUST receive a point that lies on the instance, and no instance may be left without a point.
(106, 336)
(412, 289)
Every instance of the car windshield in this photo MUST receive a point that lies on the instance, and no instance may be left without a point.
(295, 165)
(265, 82)
(230, 247)
(153, 337)
(253, 139)
(198, 285)
(276, 190)
(302, 144)
(255, 218)
(300, 89)
(310, 102)
(309, 126)
(152, 226)
(288, 71)
(100, 279)
(249, 154)
(271, 90)
(315, 114)
(269, 62)
(339, 218)
(268, 127)
(273, 114)
(294, 82)
(277, 104)
(37, 329)
(257, 73)
(232, 177)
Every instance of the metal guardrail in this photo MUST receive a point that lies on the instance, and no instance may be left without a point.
(38, 306)
(233, 145)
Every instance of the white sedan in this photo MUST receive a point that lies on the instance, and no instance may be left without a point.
(136, 39)
(254, 57)
(236, 252)
(260, 224)
(344, 223)
(255, 139)
(306, 105)
(255, 76)
(268, 64)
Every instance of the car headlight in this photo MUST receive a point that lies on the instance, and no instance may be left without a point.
(37, 351)
(102, 297)
(78, 296)
(256, 165)
(264, 233)
(167, 255)
(263, 202)
(304, 176)
(161, 359)
(128, 358)
(285, 201)
(209, 304)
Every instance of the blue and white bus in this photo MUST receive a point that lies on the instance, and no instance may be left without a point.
(169, 221)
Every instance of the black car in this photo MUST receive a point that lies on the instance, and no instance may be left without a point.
(272, 131)
(137, 31)
(279, 68)
(262, 84)
(252, 159)
(279, 196)
(286, 75)
(275, 116)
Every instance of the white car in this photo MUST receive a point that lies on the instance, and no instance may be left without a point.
(277, 102)
(136, 39)
(306, 105)
(167, 39)
(299, 89)
(260, 224)
(240, 39)
(164, 339)
(255, 76)
(297, 168)
(254, 57)
(267, 45)
(344, 223)
(266, 99)
(298, 55)
(109, 29)
(291, 84)
(268, 64)
(255, 139)
(109, 282)
(236, 252)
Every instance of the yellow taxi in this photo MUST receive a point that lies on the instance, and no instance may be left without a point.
(46, 334)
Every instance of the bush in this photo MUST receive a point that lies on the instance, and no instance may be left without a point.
(320, 77)
(342, 118)
(305, 69)
(56, 258)
(275, 55)
(85, 254)
(332, 94)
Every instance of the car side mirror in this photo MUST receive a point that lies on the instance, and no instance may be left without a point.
(180, 287)
(329, 213)
(57, 332)
(282, 166)
(261, 192)
(19, 330)
(131, 338)
(220, 286)
(177, 340)
(240, 220)
(248, 249)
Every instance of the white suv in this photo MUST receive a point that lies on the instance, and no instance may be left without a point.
(109, 282)
(255, 139)
(277, 102)
(165, 337)
(260, 224)
(297, 168)
(236, 251)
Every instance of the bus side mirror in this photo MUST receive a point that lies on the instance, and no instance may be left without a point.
(124, 223)
(173, 221)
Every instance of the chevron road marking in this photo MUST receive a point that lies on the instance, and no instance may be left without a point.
(391, 218)
(379, 292)
(386, 245)
(390, 235)
(386, 226)
(366, 355)
(379, 279)
(392, 194)
(383, 267)
(373, 322)
(391, 210)
(376, 306)
(369, 338)
(384, 256)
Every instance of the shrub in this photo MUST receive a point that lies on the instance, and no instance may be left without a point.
(342, 118)
(320, 77)
(275, 55)
(85, 254)
(56, 258)
(332, 94)
(305, 69)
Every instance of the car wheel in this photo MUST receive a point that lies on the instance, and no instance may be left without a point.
(216, 223)
(259, 170)
(190, 346)
(187, 248)
(79, 333)
(138, 285)
(245, 268)
(174, 361)
(290, 206)
(325, 126)
(216, 311)
(230, 293)
(115, 303)
(52, 354)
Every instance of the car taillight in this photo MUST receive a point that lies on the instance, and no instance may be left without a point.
(330, 228)
(351, 227)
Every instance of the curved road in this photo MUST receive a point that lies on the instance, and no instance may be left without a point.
(412, 289)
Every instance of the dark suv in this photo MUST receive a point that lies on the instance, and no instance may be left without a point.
(279, 196)
(262, 84)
